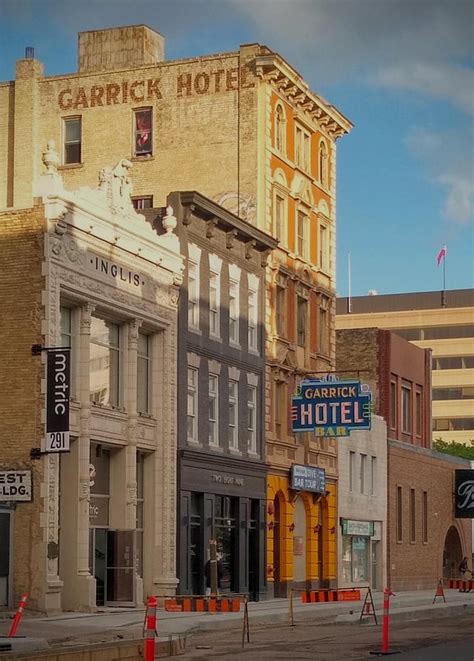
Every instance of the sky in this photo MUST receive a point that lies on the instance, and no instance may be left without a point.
(401, 70)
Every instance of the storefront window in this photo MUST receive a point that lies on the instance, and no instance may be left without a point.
(355, 559)
(226, 536)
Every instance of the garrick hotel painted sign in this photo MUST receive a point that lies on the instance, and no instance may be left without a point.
(331, 407)
(138, 91)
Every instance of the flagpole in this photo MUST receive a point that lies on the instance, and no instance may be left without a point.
(443, 295)
(349, 282)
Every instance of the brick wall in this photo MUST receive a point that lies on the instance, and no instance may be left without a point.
(415, 564)
(21, 283)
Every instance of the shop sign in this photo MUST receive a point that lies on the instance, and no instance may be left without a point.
(359, 528)
(58, 376)
(331, 407)
(231, 480)
(307, 478)
(464, 494)
(15, 486)
(99, 511)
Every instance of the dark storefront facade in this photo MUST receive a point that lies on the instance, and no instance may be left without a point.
(226, 503)
(221, 397)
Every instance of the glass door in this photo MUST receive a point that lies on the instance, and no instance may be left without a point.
(120, 568)
(4, 558)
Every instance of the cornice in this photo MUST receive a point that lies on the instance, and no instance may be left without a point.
(274, 70)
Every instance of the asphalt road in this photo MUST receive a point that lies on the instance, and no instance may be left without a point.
(442, 639)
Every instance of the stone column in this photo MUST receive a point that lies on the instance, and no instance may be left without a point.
(163, 563)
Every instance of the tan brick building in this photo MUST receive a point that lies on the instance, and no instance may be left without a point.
(244, 129)
(84, 270)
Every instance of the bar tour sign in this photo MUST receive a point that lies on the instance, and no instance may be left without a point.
(58, 376)
(331, 407)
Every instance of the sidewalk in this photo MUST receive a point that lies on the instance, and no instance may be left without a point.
(123, 624)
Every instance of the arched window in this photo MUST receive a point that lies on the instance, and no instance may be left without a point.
(280, 129)
(323, 164)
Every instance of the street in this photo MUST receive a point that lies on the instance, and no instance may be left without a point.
(439, 639)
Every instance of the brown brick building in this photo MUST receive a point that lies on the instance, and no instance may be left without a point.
(244, 129)
(425, 541)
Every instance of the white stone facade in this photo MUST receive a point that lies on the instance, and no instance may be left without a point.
(103, 260)
(362, 467)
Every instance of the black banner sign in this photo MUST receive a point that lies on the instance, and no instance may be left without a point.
(464, 494)
(58, 377)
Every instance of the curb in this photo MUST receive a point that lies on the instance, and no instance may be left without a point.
(410, 614)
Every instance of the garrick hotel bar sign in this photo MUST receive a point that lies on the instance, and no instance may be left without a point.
(331, 407)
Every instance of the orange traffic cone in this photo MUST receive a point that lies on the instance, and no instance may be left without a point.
(439, 591)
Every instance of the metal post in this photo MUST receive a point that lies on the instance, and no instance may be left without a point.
(18, 616)
(150, 629)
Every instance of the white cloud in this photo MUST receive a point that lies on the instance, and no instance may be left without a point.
(449, 160)
(454, 84)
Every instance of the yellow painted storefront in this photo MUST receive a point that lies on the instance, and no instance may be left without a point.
(301, 536)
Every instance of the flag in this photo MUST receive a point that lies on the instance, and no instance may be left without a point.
(441, 255)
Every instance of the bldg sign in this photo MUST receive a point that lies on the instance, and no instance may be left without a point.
(358, 528)
(15, 485)
(58, 377)
(331, 407)
(464, 494)
(307, 478)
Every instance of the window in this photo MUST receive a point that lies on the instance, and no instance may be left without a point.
(66, 339)
(140, 203)
(324, 248)
(453, 393)
(192, 404)
(233, 414)
(214, 304)
(393, 405)
(193, 306)
(280, 408)
(234, 312)
(406, 409)
(419, 412)
(215, 265)
(301, 320)
(280, 309)
(280, 129)
(143, 373)
(194, 259)
(453, 424)
(143, 134)
(66, 327)
(323, 330)
(323, 164)
(412, 516)
(72, 140)
(302, 148)
(253, 313)
(352, 458)
(425, 517)
(213, 409)
(373, 474)
(252, 418)
(139, 511)
(453, 362)
(399, 515)
(234, 303)
(279, 217)
(105, 362)
(362, 474)
(302, 242)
